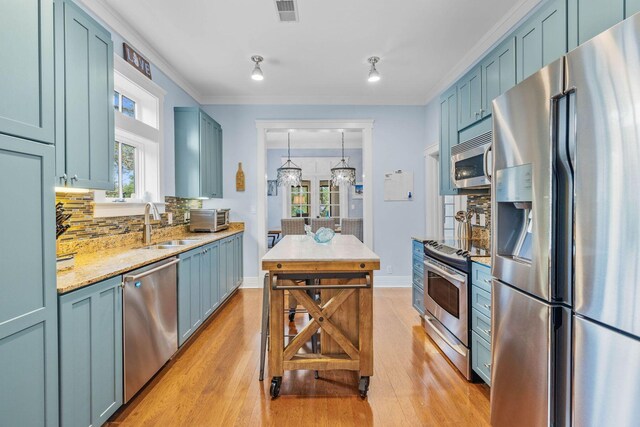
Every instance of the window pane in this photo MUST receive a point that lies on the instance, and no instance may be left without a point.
(128, 107)
(116, 180)
(128, 170)
(116, 100)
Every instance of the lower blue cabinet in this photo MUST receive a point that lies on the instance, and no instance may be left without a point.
(206, 277)
(90, 325)
(481, 321)
(417, 282)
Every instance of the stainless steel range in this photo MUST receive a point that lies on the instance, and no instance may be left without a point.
(446, 298)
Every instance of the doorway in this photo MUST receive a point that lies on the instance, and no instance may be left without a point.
(266, 127)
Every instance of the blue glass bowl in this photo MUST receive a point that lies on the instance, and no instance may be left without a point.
(324, 235)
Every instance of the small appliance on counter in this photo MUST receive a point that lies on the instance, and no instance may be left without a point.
(209, 220)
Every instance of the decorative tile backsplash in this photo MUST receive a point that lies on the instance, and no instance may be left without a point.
(481, 205)
(84, 226)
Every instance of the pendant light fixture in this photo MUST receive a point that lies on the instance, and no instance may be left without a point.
(256, 74)
(374, 75)
(289, 174)
(342, 173)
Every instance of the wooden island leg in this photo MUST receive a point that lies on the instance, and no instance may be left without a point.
(276, 335)
(366, 329)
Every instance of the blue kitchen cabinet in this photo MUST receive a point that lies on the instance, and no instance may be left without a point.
(470, 98)
(481, 320)
(28, 305)
(229, 248)
(26, 70)
(418, 276)
(222, 272)
(588, 18)
(239, 265)
(541, 39)
(189, 293)
(198, 154)
(84, 101)
(207, 294)
(91, 377)
(498, 73)
(631, 7)
(448, 138)
(213, 280)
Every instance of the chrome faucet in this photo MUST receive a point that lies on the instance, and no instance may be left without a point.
(147, 225)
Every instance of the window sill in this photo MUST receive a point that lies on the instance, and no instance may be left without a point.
(111, 209)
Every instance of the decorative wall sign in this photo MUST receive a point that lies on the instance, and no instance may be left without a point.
(135, 59)
(272, 187)
(240, 178)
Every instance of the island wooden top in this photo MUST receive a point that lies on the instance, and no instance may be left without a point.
(302, 253)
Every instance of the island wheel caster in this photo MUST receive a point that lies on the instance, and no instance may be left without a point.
(363, 387)
(275, 387)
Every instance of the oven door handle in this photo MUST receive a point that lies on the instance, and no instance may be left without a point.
(453, 277)
(442, 336)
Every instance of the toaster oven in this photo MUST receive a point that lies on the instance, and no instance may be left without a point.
(209, 220)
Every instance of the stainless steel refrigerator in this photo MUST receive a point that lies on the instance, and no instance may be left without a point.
(566, 240)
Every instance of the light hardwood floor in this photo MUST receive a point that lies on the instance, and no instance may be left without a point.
(214, 380)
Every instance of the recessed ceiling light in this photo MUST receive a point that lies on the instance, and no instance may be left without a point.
(374, 75)
(256, 74)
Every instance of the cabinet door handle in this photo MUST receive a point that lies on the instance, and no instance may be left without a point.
(487, 306)
(482, 111)
(477, 114)
(487, 365)
(74, 178)
(486, 331)
(64, 178)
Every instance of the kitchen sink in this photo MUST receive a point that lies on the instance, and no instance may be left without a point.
(171, 244)
(162, 246)
(179, 242)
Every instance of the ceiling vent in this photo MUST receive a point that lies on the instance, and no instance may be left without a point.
(287, 10)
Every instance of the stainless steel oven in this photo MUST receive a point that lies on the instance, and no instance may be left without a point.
(446, 298)
(471, 162)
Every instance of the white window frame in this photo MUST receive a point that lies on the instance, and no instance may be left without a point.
(147, 136)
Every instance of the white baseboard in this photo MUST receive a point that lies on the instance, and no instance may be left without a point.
(388, 281)
(381, 281)
(250, 283)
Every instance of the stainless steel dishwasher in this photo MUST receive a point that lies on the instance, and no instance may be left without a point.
(150, 322)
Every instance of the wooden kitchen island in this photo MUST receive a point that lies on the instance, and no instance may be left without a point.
(334, 283)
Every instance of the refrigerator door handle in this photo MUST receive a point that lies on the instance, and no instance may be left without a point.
(564, 129)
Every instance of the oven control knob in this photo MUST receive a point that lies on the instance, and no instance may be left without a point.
(465, 253)
(459, 252)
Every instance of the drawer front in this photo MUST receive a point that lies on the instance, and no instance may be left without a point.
(418, 280)
(418, 300)
(418, 249)
(481, 325)
(481, 276)
(481, 300)
(418, 265)
(481, 357)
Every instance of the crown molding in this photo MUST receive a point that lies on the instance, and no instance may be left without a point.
(492, 38)
(118, 24)
(313, 100)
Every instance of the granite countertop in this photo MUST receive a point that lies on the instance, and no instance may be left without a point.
(484, 260)
(94, 267)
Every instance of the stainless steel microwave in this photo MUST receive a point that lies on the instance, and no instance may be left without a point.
(471, 162)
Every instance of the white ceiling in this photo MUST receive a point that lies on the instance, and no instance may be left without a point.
(322, 59)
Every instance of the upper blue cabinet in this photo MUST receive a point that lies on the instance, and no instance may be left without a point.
(470, 98)
(84, 101)
(631, 7)
(588, 18)
(448, 138)
(542, 38)
(498, 73)
(26, 69)
(198, 153)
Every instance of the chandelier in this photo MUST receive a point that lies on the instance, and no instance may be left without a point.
(342, 173)
(289, 174)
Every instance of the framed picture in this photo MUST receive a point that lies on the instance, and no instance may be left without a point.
(272, 187)
(358, 190)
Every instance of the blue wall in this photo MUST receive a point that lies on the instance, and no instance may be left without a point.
(398, 143)
(274, 161)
